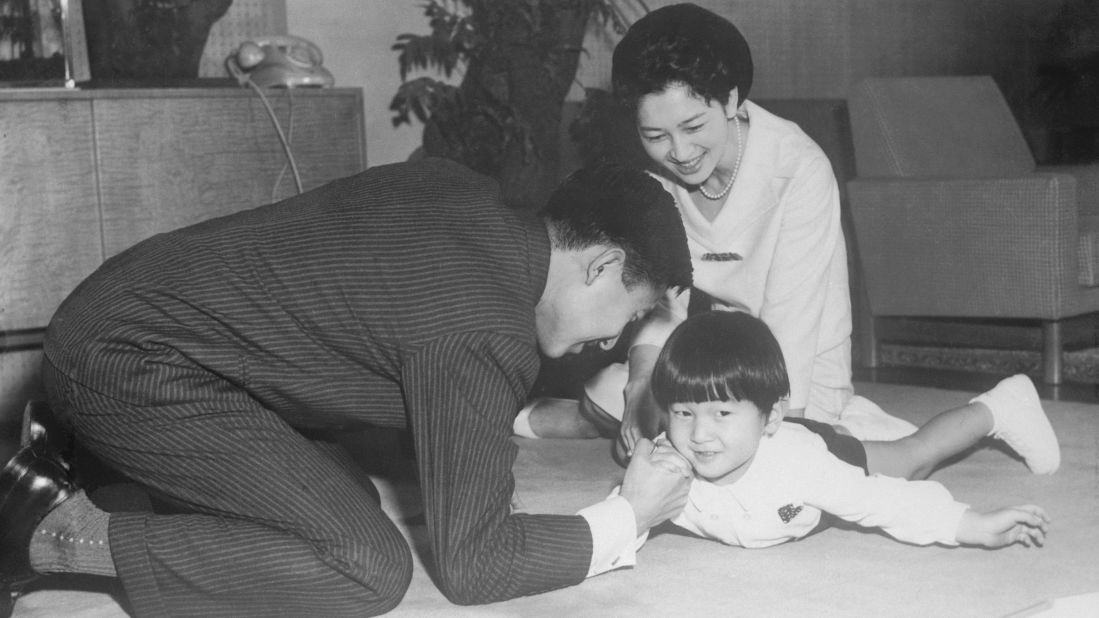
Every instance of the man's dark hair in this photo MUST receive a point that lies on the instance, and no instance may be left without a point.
(612, 204)
(721, 356)
(681, 44)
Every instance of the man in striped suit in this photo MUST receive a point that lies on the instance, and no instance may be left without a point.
(406, 296)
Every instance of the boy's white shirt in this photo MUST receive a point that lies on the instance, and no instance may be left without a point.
(794, 476)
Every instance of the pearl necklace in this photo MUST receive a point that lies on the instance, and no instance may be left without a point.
(736, 167)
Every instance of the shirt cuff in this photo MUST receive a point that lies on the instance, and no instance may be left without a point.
(951, 519)
(614, 534)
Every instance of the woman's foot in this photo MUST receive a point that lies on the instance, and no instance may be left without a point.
(1019, 420)
(549, 417)
(865, 420)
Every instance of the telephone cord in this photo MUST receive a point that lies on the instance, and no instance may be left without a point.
(282, 137)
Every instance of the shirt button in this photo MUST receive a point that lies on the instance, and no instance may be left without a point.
(747, 517)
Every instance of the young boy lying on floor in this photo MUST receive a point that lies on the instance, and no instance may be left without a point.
(760, 481)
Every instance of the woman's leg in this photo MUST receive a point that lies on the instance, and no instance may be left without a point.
(1010, 412)
(598, 412)
(551, 417)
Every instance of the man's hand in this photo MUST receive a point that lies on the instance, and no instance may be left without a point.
(1025, 524)
(656, 483)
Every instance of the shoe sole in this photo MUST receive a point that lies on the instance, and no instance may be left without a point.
(43, 431)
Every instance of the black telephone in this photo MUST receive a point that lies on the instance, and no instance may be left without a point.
(279, 61)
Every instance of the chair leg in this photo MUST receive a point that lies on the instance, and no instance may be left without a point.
(864, 324)
(1052, 348)
(869, 346)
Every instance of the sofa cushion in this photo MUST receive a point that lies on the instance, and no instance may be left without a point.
(953, 127)
(1087, 252)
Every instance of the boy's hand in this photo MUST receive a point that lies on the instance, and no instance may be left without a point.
(665, 456)
(656, 484)
(640, 413)
(1025, 524)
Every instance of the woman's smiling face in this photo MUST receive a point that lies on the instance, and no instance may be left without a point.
(683, 133)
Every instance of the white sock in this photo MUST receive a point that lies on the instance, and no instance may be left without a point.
(521, 427)
(73, 539)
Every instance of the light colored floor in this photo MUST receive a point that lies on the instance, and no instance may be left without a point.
(837, 572)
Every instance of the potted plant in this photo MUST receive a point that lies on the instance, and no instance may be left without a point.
(519, 59)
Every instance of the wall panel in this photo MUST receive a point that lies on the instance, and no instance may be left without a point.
(49, 217)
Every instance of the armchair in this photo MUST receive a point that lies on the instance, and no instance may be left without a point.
(953, 218)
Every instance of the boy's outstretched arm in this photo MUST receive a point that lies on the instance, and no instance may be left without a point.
(1026, 524)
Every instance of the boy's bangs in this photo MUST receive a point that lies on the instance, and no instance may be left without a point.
(695, 386)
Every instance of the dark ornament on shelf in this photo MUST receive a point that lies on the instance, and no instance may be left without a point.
(148, 42)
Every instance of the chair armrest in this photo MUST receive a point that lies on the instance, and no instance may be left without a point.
(989, 247)
(1087, 184)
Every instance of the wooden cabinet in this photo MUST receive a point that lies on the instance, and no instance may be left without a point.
(86, 174)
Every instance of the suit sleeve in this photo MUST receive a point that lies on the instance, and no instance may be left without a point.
(461, 394)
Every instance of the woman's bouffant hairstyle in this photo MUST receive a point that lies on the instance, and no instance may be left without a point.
(721, 356)
(681, 44)
(615, 204)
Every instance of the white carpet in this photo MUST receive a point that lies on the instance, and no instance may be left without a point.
(838, 572)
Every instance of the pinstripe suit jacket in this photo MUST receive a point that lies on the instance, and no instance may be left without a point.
(402, 296)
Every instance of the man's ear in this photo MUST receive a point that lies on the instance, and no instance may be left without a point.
(775, 416)
(604, 263)
(733, 106)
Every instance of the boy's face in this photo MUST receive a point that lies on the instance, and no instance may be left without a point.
(719, 438)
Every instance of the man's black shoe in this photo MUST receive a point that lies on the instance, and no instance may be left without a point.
(32, 484)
